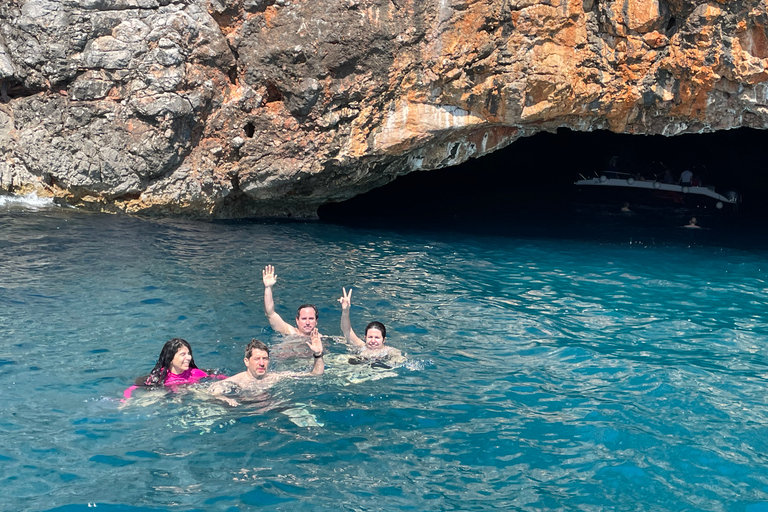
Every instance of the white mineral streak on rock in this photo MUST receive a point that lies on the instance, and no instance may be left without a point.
(6, 64)
(415, 162)
(674, 129)
(408, 122)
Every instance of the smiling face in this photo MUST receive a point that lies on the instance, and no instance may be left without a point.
(306, 321)
(374, 339)
(181, 361)
(257, 364)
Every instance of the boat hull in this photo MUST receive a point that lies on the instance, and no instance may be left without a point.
(614, 190)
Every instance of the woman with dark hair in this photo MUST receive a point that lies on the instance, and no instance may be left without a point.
(373, 347)
(174, 367)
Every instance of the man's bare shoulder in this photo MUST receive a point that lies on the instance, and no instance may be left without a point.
(228, 385)
(241, 379)
(267, 381)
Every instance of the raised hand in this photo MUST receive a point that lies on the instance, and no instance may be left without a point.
(315, 343)
(346, 298)
(268, 275)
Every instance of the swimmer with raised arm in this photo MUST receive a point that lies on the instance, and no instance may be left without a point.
(306, 315)
(174, 367)
(373, 347)
(256, 375)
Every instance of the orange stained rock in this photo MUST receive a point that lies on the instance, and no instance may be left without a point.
(134, 126)
(270, 13)
(709, 12)
(655, 39)
(234, 93)
(641, 14)
(754, 41)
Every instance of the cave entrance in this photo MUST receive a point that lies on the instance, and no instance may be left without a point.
(535, 176)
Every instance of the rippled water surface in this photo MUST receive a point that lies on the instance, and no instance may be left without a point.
(614, 364)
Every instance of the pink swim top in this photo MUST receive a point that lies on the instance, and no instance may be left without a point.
(174, 380)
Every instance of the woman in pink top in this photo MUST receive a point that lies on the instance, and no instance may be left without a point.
(174, 367)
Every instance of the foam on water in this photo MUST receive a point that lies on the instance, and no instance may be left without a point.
(27, 201)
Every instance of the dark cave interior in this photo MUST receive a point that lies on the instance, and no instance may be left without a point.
(535, 176)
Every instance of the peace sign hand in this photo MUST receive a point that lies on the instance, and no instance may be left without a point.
(346, 298)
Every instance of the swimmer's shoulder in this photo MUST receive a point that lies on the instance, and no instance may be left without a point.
(228, 385)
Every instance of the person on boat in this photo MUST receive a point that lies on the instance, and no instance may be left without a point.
(667, 178)
(685, 178)
(373, 348)
(174, 367)
(306, 315)
(696, 181)
(613, 167)
(257, 375)
(692, 224)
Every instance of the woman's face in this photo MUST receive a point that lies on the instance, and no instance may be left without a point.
(181, 360)
(374, 338)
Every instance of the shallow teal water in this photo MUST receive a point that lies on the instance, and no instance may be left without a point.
(552, 366)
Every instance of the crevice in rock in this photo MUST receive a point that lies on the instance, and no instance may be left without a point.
(131, 196)
(233, 74)
(234, 178)
(273, 93)
(249, 129)
(671, 25)
(10, 90)
(344, 69)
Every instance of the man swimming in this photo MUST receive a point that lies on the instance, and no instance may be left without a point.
(306, 315)
(373, 348)
(257, 376)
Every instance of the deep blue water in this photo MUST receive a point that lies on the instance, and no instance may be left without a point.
(574, 361)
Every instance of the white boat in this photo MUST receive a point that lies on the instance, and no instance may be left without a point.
(623, 187)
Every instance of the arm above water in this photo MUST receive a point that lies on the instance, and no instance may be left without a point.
(275, 321)
(315, 344)
(346, 324)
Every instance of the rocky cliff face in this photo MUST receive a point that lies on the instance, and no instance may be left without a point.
(222, 108)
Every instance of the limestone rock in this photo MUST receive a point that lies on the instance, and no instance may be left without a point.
(224, 108)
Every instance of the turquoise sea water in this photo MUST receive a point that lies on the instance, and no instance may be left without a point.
(590, 362)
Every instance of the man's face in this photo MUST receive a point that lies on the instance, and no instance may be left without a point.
(258, 363)
(306, 321)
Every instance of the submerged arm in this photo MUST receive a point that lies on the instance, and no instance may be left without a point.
(217, 389)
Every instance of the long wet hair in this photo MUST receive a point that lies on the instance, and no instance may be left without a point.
(378, 326)
(163, 365)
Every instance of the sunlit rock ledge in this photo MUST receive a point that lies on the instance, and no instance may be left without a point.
(230, 108)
